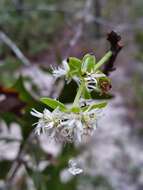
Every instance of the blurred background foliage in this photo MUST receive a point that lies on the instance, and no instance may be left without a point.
(47, 31)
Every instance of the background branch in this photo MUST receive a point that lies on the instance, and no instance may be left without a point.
(5, 39)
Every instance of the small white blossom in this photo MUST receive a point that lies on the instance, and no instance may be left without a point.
(61, 71)
(47, 120)
(78, 125)
(73, 169)
(91, 80)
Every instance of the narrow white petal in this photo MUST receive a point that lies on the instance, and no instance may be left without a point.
(99, 75)
(49, 126)
(38, 131)
(47, 114)
(66, 66)
(36, 113)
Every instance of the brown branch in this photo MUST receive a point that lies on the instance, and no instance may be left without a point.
(115, 47)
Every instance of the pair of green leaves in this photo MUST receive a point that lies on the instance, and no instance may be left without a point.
(56, 104)
(79, 67)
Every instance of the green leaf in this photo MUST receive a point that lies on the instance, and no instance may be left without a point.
(75, 66)
(53, 103)
(24, 94)
(88, 63)
(95, 106)
(4, 168)
(74, 63)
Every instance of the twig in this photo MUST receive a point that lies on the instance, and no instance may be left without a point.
(77, 35)
(116, 46)
(5, 39)
(15, 167)
(18, 161)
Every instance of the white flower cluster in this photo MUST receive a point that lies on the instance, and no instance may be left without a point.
(65, 127)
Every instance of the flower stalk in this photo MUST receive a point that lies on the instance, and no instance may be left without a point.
(103, 60)
(78, 95)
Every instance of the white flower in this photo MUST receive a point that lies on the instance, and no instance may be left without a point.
(73, 169)
(91, 80)
(47, 120)
(61, 71)
(78, 125)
